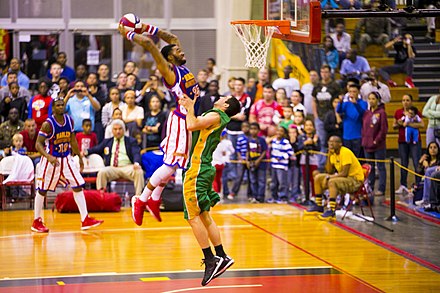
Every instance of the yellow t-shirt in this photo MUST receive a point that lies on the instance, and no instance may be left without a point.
(346, 157)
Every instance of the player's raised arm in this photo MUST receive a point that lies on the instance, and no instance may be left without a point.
(163, 34)
(194, 122)
(148, 44)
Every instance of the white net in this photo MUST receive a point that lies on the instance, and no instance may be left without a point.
(256, 41)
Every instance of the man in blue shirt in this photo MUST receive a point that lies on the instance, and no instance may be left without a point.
(353, 108)
(354, 66)
(81, 105)
(67, 72)
(22, 79)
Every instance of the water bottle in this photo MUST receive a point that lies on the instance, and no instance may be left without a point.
(126, 200)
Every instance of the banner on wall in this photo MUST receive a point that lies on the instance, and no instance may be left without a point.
(280, 57)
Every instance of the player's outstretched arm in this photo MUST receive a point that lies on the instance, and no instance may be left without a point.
(148, 44)
(163, 34)
(194, 123)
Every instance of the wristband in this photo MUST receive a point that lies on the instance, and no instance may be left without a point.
(151, 29)
(130, 36)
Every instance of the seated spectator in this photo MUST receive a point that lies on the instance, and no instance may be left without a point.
(207, 101)
(63, 83)
(286, 82)
(115, 102)
(121, 83)
(263, 112)
(341, 41)
(4, 91)
(80, 105)
(343, 175)
(154, 122)
(30, 138)
(40, 106)
(376, 30)
(86, 139)
(130, 67)
(212, 69)
(372, 84)
(354, 66)
(17, 145)
(255, 156)
(202, 80)
(22, 79)
(105, 83)
(14, 100)
(332, 120)
(296, 99)
(329, 54)
(151, 88)
(4, 66)
(10, 127)
(403, 60)
(132, 115)
(66, 71)
(434, 194)
(374, 136)
(121, 157)
(428, 164)
(431, 111)
(53, 82)
(116, 115)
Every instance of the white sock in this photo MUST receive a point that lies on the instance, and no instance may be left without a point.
(162, 174)
(157, 192)
(81, 203)
(38, 205)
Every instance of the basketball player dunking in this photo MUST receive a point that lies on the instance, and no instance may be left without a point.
(170, 62)
(55, 142)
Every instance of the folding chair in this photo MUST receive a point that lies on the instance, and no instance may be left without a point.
(92, 164)
(6, 165)
(362, 193)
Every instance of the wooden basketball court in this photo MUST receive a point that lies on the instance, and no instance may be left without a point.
(275, 249)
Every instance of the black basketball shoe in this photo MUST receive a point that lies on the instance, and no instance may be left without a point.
(211, 268)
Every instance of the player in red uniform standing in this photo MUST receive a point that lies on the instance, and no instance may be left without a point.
(170, 62)
(56, 141)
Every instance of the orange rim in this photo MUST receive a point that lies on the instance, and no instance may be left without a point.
(283, 25)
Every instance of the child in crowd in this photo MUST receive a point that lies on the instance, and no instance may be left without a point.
(117, 115)
(288, 117)
(411, 133)
(280, 152)
(220, 157)
(309, 141)
(294, 172)
(86, 139)
(255, 155)
(298, 121)
(17, 144)
(241, 150)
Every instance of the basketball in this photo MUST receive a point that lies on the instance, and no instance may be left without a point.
(131, 22)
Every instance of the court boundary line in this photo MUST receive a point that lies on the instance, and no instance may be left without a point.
(309, 253)
(414, 213)
(384, 244)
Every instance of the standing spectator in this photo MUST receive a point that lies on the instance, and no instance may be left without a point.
(231, 83)
(374, 136)
(241, 150)
(333, 121)
(132, 115)
(307, 90)
(432, 112)
(104, 80)
(257, 90)
(202, 79)
(150, 89)
(352, 108)
(10, 127)
(220, 157)
(372, 84)
(207, 101)
(376, 31)
(55, 71)
(115, 102)
(86, 139)
(280, 152)
(30, 138)
(3, 62)
(406, 149)
(288, 117)
(81, 73)
(121, 83)
(329, 54)
(212, 69)
(403, 60)
(294, 172)
(40, 106)
(288, 83)
(64, 87)
(154, 122)
(95, 91)
(67, 71)
(280, 95)
(263, 112)
(309, 141)
(81, 105)
(341, 40)
(354, 66)
(296, 99)
(22, 78)
(130, 67)
(14, 100)
(255, 155)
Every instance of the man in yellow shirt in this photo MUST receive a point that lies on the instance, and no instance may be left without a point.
(344, 175)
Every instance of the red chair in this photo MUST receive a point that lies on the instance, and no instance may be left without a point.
(362, 193)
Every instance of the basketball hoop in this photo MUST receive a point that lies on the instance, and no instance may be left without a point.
(256, 35)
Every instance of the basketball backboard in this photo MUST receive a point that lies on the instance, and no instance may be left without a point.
(304, 17)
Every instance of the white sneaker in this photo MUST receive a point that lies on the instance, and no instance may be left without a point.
(419, 202)
(401, 189)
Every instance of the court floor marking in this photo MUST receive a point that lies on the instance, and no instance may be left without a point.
(214, 287)
(99, 231)
(308, 252)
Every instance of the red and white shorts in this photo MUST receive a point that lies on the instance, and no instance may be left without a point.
(177, 142)
(67, 173)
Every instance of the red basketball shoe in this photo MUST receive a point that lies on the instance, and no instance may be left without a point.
(90, 223)
(153, 206)
(38, 226)
(137, 209)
